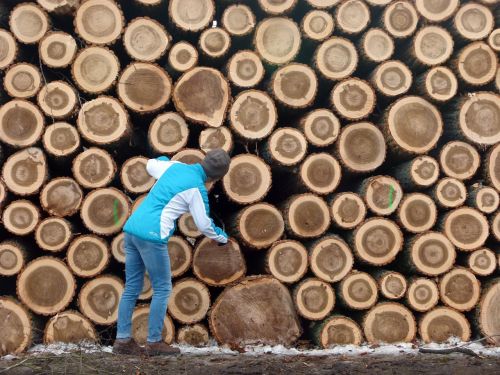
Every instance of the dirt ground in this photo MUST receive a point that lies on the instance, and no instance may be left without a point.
(105, 363)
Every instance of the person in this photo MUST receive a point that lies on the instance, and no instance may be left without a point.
(179, 188)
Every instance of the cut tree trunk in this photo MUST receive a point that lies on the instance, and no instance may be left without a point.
(442, 323)
(389, 322)
(352, 16)
(417, 213)
(494, 40)
(487, 309)
(348, 210)
(294, 85)
(287, 261)
(25, 171)
(337, 330)
(314, 299)
(189, 156)
(277, 7)
(140, 319)
(432, 45)
(322, 4)
(321, 127)
(482, 262)
(358, 291)
(94, 168)
(459, 160)
(99, 21)
(376, 45)
(99, 298)
(60, 7)
(330, 259)
(214, 43)
(449, 193)
(20, 217)
(168, 133)
(422, 294)
(213, 138)
(88, 256)
(189, 301)
(53, 234)
(69, 327)
(420, 173)
(21, 123)
(134, 176)
(238, 20)
(195, 335)
(117, 248)
(460, 289)
(61, 197)
(320, 173)
(182, 57)
(470, 71)
(57, 49)
(336, 58)
(353, 98)
(61, 141)
(466, 228)
(437, 11)
(382, 194)
(9, 49)
(474, 21)
(400, 19)
(306, 215)
(439, 83)
(430, 253)
(58, 100)
(245, 69)
(277, 39)
(145, 39)
(22, 81)
(191, 16)
(13, 256)
(95, 69)
(392, 78)
(393, 285)
(29, 23)
(187, 226)
(317, 25)
(484, 198)
(15, 325)
(180, 253)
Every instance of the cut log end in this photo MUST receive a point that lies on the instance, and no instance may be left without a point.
(437, 11)
(191, 16)
(168, 133)
(277, 40)
(95, 69)
(348, 210)
(61, 197)
(214, 42)
(389, 322)
(196, 335)
(339, 330)
(486, 199)
(358, 291)
(307, 216)
(400, 19)
(57, 49)
(58, 99)
(245, 69)
(294, 85)
(20, 217)
(392, 285)
(260, 225)
(12, 258)
(323, 4)
(443, 323)
(392, 78)
(432, 253)
(25, 171)
(53, 234)
(287, 261)
(61, 139)
(69, 327)
(353, 98)
(189, 301)
(450, 193)
(21, 123)
(494, 40)
(487, 316)
(277, 7)
(238, 20)
(482, 262)
(211, 139)
(22, 80)
(460, 289)
(422, 294)
(180, 254)
(287, 146)
(187, 226)
(382, 194)
(321, 173)
(29, 23)
(8, 46)
(317, 25)
(336, 58)
(477, 118)
(99, 298)
(377, 45)
(118, 248)
(424, 171)
(99, 22)
(331, 259)
(314, 299)
(474, 21)
(417, 213)
(466, 228)
(134, 176)
(432, 45)
(459, 160)
(145, 39)
(182, 56)
(321, 127)
(440, 84)
(88, 256)
(352, 16)
(469, 68)
(94, 168)
(15, 324)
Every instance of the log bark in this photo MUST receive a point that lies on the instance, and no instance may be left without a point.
(376, 45)
(88, 256)
(61, 197)
(181, 255)
(191, 16)
(61, 141)
(317, 25)
(195, 335)
(99, 22)
(53, 234)
(213, 138)
(417, 213)
(389, 322)
(473, 21)
(277, 39)
(294, 85)
(320, 173)
(22, 81)
(382, 194)
(245, 69)
(12, 315)
(337, 330)
(57, 49)
(459, 160)
(29, 23)
(336, 58)
(352, 16)
(449, 193)
(430, 253)
(94, 168)
(287, 261)
(95, 69)
(358, 291)
(353, 98)
(13, 255)
(20, 217)
(99, 298)
(422, 294)
(189, 301)
(134, 177)
(347, 210)
(25, 171)
(466, 228)
(168, 133)
(392, 78)
(21, 123)
(58, 100)
(482, 262)
(9, 49)
(145, 39)
(306, 216)
(400, 19)
(392, 285)
(321, 127)
(69, 327)
(314, 299)
(487, 321)
(442, 323)
(330, 259)
(460, 289)
(238, 20)
(140, 319)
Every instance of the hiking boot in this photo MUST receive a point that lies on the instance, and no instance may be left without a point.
(127, 346)
(160, 348)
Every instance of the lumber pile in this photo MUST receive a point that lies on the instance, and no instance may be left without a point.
(362, 198)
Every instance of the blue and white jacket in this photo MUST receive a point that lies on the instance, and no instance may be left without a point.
(179, 188)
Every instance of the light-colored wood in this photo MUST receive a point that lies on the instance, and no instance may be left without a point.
(377, 45)
(466, 228)
(382, 194)
(474, 21)
(432, 45)
(348, 210)
(477, 118)
(450, 193)
(22, 80)
(69, 327)
(145, 39)
(277, 39)
(286, 146)
(442, 323)
(57, 49)
(440, 83)
(213, 138)
(323, 4)
(482, 262)
(99, 298)
(378, 3)
(20, 217)
(46, 285)
(25, 171)
(431, 253)
(194, 335)
(168, 133)
(15, 324)
(336, 58)
(192, 15)
(314, 298)
(140, 319)
(117, 247)
(61, 140)
(306, 216)
(3, 194)
(88, 255)
(417, 212)
(339, 330)
(331, 259)
(437, 11)
(419, 173)
(238, 20)
(29, 23)
(21, 123)
(94, 168)
(187, 226)
(494, 40)
(392, 78)
(358, 291)
(320, 173)
(181, 254)
(99, 21)
(294, 85)
(400, 19)
(487, 316)
(61, 197)
(8, 49)
(245, 69)
(352, 16)
(353, 98)
(389, 322)
(12, 258)
(134, 176)
(95, 69)
(182, 56)
(321, 127)
(459, 160)
(189, 156)
(477, 64)
(422, 294)
(485, 198)
(277, 7)
(287, 261)
(460, 289)
(58, 100)
(214, 42)
(189, 301)
(59, 7)
(317, 25)
(53, 234)
(393, 285)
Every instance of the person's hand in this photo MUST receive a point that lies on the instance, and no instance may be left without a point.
(223, 246)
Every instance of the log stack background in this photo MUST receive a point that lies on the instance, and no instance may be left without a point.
(363, 193)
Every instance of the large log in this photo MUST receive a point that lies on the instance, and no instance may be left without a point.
(437, 11)
(487, 312)
(99, 22)
(466, 228)
(277, 40)
(432, 45)
(99, 298)
(400, 19)
(88, 256)
(477, 64)
(294, 85)
(473, 21)
(29, 23)
(145, 39)
(189, 301)
(21, 123)
(69, 327)
(460, 289)
(57, 49)
(336, 58)
(193, 15)
(431, 253)
(238, 20)
(389, 322)
(442, 323)
(8, 46)
(459, 160)
(352, 16)
(15, 324)
(287, 261)
(95, 69)
(330, 259)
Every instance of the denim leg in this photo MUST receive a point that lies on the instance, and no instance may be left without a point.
(134, 279)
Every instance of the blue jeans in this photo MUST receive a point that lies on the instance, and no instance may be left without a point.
(143, 255)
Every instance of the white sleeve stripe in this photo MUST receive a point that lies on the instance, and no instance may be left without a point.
(156, 168)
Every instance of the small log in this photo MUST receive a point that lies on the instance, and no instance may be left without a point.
(258, 310)
(218, 266)
(194, 335)
(294, 85)
(377, 241)
(361, 147)
(439, 84)
(182, 57)
(253, 115)
(259, 225)
(248, 179)
(245, 69)
(25, 171)
(99, 22)
(46, 285)
(466, 228)
(180, 253)
(431, 253)
(477, 64)
(353, 98)
(337, 330)
(425, 121)
(8, 46)
(320, 173)
(103, 121)
(144, 87)
(202, 96)
(145, 39)
(287, 261)
(22, 80)
(104, 211)
(321, 127)
(69, 327)
(20, 217)
(432, 45)
(487, 317)
(61, 140)
(376, 45)
(191, 16)
(317, 25)
(277, 7)
(277, 39)
(95, 69)
(99, 298)
(422, 294)
(437, 11)
(285, 147)
(482, 262)
(314, 299)
(214, 42)
(419, 173)
(474, 21)
(58, 100)
(94, 168)
(331, 259)
(147, 289)
(187, 226)
(60, 7)
(57, 49)
(389, 322)
(15, 324)
(238, 20)
(492, 167)
(348, 210)
(460, 289)
(12, 258)
(352, 16)
(53, 234)
(21, 123)
(117, 248)
(400, 19)
(417, 213)
(61, 197)
(442, 323)
(484, 198)
(393, 285)
(29, 23)
(323, 4)
(494, 40)
(306, 215)
(189, 301)
(358, 291)
(134, 177)
(140, 319)
(392, 78)
(168, 133)
(449, 193)
(213, 138)
(88, 256)
(382, 194)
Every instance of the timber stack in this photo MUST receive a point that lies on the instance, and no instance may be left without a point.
(362, 198)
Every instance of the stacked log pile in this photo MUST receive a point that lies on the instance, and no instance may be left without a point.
(362, 198)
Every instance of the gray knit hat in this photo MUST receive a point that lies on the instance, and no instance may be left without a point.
(216, 163)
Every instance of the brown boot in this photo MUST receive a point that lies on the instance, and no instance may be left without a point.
(127, 346)
(160, 348)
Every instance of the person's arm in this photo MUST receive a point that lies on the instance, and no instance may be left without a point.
(156, 167)
(199, 209)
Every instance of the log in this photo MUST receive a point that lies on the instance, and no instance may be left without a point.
(417, 213)
(214, 43)
(441, 324)
(99, 22)
(182, 57)
(57, 49)
(194, 335)
(213, 138)
(439, 84)
(13, 256)
(180, 253)
(322, 4)
(486, 315)
(473, 21)
(61, 141)
(460, 289)
(352, 16)
(104, 211)
(29, 23)
(449, 193)
(431, 253)
(336, 58)
(22, 80)
(437, 11)
(277, 39)
(422, 294)
(259, 225)
(306, 216)
(400, 19)
(25, 171)
(358, 291)
(8, 48)
(320, 173)
(331, 259)
(294, 85)
(238, 20)
(392, 285)
(46, 285)
(59, 7)
(494, 40)
(53, 234)
(187, 226)
(15, 324)
(145, 39)
(377, 241)
(258, 310)
(191, 16)
(189, 156)
(389, 322)
(376, 45)
(361, 147)
(202, 96)
(277, 7)
(321, 127)
(69, 327)
(218, 266)
(466, 228)
(88, 256)
(347, 210)
(484, 198)
(419, 173)
(58, 100)
(99, 298)
(337, 330)
(317, 25)
(189, 301)
(353, 99)
(134, 177)
(245, 69)
(94, 168)
(140, 319)
(168, 133)
(382, 194)
(117, 248)
(432, 45)
(248, 179)
(21, 123)
(144, 87)
(314, 299)
(392, 78)
(287, 261)
(477, 64)
(61, 197)
(20, 217)
(482, 262)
